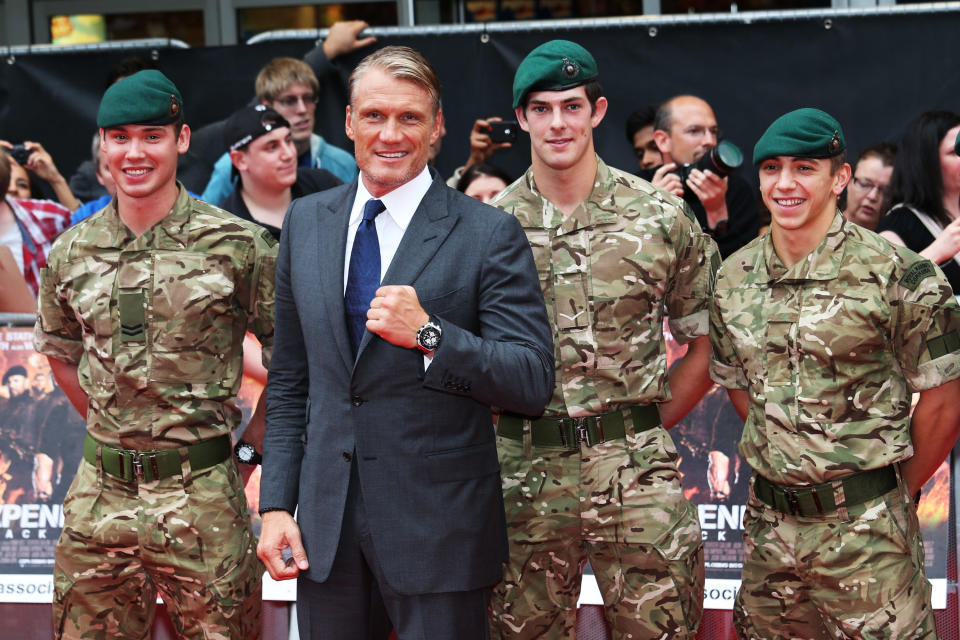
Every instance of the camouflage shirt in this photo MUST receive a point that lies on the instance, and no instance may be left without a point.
(830, 351)
(156, 323)
(608, 272)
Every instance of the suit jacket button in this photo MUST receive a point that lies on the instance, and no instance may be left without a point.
(356, 401)
(347, 456)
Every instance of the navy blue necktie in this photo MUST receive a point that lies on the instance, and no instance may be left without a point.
(363, 278)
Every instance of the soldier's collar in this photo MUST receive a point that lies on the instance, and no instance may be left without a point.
(823, 263)
(169, 231)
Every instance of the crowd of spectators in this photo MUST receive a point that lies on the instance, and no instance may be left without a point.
(908, 192)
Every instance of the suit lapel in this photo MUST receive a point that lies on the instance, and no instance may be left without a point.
(331, 245)
(428, 228)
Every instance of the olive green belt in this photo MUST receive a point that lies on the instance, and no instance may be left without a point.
(570, 432)
(819, 499)
(146, 466)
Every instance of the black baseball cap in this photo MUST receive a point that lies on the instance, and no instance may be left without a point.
(249, 123)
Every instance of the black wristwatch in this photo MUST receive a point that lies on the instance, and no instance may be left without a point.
(246, 453)
(428, 336)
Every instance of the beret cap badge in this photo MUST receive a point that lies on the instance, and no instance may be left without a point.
(834, 145)
(570, 69)
(174, 106)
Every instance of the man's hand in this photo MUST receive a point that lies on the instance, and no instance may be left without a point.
(344, 37)
(395, 315)
(43, 476)
(668, 181)
(711, 189)
(279, 532)
(718, 475)
(481, 146)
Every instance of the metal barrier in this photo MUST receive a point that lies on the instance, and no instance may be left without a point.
(113, 45)
(654, 22)
(17, 319)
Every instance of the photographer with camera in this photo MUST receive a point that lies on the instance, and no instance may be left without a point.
(28, 227)
(685, 131)
(486, 136)
(33, 157)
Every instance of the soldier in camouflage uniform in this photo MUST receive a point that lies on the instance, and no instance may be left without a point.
(596, 477)
(821, 330)
(142, 312)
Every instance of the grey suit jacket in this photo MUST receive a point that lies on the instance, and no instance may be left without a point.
(423, 441)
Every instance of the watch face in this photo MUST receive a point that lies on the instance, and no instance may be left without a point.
(429, 337)
(246, 452)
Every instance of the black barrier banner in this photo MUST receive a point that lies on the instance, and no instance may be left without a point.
(750, 73)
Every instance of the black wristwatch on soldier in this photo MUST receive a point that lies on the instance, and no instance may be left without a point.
(246, 453)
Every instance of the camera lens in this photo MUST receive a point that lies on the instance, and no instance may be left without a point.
(722, 159)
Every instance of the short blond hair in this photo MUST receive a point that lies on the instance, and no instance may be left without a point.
(279, 74)
(402, 63)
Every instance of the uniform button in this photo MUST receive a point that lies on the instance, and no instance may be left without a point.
(356, 401)
(347, 456)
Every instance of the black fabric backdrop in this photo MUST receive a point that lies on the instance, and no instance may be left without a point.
(872, 73)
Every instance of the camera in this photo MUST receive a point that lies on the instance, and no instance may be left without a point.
(721, 160)
(20, 153)
(504, 131)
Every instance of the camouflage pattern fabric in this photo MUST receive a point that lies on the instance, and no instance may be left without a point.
(190, 539)
(830, 351)
(618, 504)
(608, 272)
(827, 577)
(156, 323)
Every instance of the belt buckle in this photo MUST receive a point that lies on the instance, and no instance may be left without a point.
(137, 460)
(583, 434)
(792, 499)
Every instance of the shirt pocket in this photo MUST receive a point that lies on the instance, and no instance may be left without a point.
(627, 275)
(846, 373)
(193, 321)
(87, 285)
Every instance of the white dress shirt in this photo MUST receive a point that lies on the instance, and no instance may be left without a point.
(401, 203)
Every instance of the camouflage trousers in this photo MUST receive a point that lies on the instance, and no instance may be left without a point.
(187, 538)
(859, 576)
(618, 504)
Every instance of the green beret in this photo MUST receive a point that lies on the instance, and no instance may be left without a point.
(557, 65)
(146, 97)
(804, 133)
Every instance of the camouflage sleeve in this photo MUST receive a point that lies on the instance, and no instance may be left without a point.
(260, 308)
(57, 333)
(691, 283)
(926, 327)
(725, 367)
